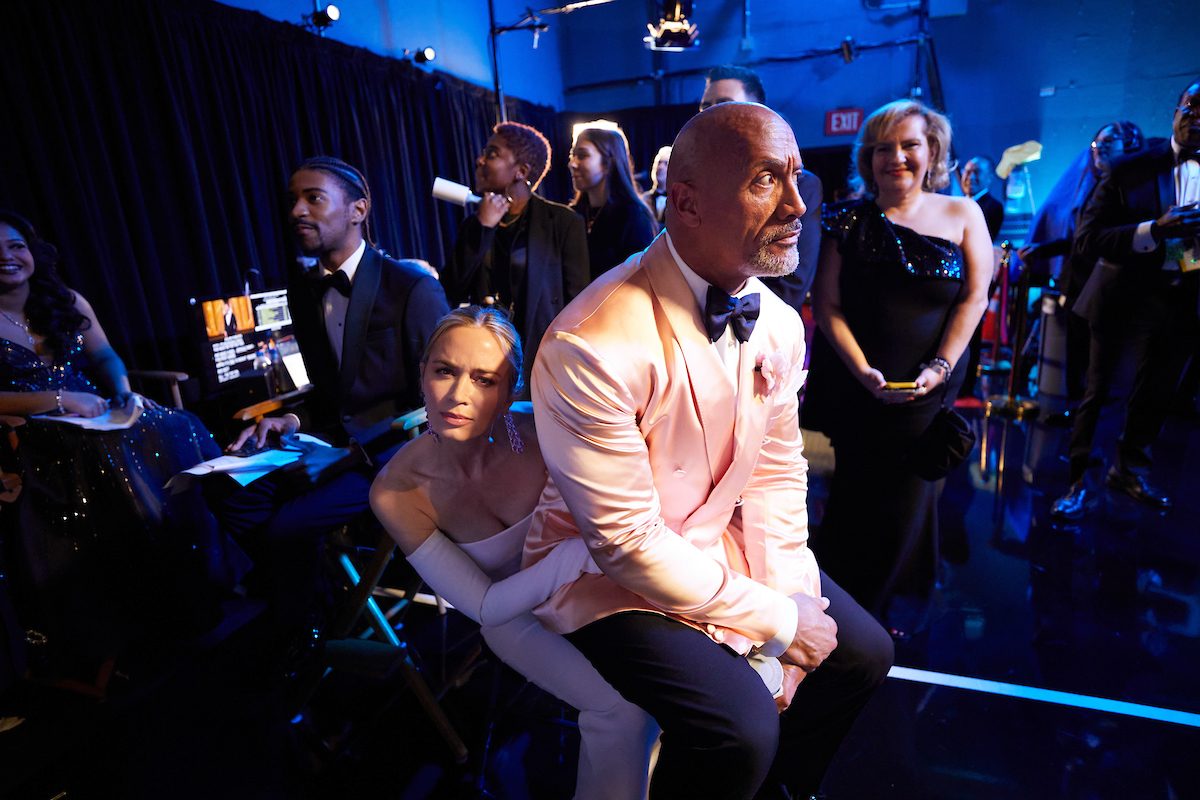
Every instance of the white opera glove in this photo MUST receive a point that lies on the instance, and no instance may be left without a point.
(452, 574)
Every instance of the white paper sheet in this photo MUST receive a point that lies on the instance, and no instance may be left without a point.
(115, 419)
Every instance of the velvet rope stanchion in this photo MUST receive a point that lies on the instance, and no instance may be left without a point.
(1013, 405)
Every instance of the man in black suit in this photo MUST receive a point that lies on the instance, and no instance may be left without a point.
(975, 180)
(729, 83)
(361, 320)
(656, 195)
(230, 319)
(1140, 301)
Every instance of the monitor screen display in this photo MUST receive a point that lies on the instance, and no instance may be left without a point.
(250, 336)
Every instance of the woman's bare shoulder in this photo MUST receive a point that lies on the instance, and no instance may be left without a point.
(402, 473)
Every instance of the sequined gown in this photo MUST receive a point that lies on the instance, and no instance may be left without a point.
(95, 543)
(897, 291)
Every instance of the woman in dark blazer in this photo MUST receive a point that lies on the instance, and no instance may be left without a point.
(519, 252)
(619, 223)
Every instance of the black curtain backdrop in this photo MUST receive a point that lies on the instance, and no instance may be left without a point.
(152, 142)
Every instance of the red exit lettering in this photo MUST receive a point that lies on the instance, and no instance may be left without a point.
(843, 121)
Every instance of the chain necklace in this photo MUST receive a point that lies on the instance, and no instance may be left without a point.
(23, 326)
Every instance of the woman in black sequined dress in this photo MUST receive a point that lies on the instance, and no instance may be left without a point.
(900, 287)
(94, 528)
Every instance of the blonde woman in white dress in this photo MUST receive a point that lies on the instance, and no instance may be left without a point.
(459, 501)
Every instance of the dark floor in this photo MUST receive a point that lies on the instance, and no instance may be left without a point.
(1108, 608)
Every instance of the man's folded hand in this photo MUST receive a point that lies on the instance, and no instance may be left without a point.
(816, 634)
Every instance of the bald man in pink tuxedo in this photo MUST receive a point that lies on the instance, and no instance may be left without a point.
(666, 407)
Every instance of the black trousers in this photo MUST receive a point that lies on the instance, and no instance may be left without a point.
(1135, 365)
(722, 736)
(282, 528)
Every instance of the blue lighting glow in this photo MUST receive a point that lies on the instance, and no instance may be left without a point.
(1047, 696)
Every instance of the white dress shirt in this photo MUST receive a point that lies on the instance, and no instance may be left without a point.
(1186, 177)
(335, 304)
(727, 345)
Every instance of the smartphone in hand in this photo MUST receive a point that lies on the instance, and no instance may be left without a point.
(902, 387)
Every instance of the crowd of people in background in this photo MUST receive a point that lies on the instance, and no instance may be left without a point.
(636, 322)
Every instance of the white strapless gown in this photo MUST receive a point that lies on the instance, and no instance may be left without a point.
(616, 736)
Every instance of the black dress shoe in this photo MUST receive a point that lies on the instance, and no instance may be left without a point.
(1137, 487)
(1075, 503)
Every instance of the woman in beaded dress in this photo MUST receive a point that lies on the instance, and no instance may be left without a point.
(901, 285)
(619, 223)
(459, 503)
(93, 531)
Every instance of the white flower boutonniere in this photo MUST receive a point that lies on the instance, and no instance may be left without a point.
(771, 373)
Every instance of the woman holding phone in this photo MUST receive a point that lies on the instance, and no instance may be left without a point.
(900, 287)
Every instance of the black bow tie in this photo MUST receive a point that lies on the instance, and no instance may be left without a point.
(723, 309)
(1186, 156)
(334, 280)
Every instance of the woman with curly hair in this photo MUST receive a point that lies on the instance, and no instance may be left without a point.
(901, 284)
(94, 525)
(619, 223)
(518, 252)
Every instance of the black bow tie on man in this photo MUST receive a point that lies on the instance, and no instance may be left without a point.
(334, 280)
(723, 309)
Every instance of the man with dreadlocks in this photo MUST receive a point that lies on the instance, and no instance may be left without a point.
(362, 320)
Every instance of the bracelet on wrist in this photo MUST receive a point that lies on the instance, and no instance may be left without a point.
(58, 401)
(939, 365)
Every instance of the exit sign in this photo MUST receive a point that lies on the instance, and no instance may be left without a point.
(842, 121)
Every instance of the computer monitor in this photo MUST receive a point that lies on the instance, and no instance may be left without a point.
(249, 336)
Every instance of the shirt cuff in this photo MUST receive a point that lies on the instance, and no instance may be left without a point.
(782, 640)
(1143, 242)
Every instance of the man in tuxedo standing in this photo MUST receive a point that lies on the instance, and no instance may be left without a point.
(656, 196)
(729, 83)
(361, 320)
(666, 404)
(975, 180)
(1140, 301)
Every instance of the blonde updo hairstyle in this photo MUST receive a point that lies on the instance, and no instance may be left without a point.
(496, 323)
(882, 120)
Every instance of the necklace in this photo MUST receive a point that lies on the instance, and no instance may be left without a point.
(23, 326)
(509, 219)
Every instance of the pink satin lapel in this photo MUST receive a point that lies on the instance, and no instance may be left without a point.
(712, 390)
(750, 426)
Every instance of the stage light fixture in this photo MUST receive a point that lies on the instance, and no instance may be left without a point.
(424, 55)
(321, 18)
(674, 33)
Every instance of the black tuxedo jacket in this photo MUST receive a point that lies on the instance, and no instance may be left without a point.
(794, 288)
(993, 213)
(556, 271)
(393, 310)
(1139, 188)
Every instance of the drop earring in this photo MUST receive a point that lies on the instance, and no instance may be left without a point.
(429, 429)
(514, 438)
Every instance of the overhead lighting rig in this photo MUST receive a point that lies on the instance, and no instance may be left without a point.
(674, 33)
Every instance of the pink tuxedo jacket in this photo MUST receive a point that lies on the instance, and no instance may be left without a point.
(689, 492)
